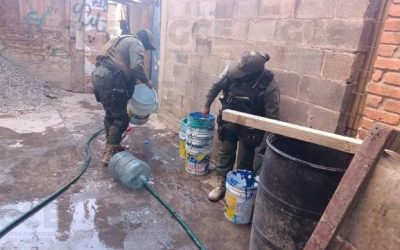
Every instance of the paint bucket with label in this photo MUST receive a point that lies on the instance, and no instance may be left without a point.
(241, 190)
(197, 165)
(182, 137)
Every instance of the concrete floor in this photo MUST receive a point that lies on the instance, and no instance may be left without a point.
(41, 151)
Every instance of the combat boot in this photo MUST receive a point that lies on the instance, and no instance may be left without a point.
(219, 190)
(111, 150)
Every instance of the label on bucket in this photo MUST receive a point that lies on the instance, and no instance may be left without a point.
(241, 190)
(182, 150)
(197, 164)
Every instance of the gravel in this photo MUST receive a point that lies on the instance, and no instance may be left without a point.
(22, 93)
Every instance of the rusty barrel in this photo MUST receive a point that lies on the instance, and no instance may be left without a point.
(296, 182)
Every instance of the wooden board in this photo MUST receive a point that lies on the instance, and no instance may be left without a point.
(331, 140)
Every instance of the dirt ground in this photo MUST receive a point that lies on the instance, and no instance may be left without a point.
(41, 150)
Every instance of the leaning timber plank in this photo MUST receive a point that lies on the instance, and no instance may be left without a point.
(339, 142)
(357, 174)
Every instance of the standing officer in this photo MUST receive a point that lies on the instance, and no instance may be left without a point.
(247, 87)
(114, 81)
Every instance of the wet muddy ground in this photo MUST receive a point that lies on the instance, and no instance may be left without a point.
(41, 151)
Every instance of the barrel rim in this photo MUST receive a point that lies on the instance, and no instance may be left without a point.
(313, 165)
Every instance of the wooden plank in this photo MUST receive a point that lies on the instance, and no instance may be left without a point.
(356, 175)
(339, 142)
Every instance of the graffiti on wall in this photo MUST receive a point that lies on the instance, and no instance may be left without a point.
(90, 13)
(58, 52)
(34, 18)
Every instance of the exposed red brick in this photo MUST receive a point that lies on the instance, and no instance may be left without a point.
(386, 50)
(382, 116)
(390, 38)
(377, 76)
(383, 89)
(394, 10)
(366, 123)
(392, 105)
(392, 24)
(373, 101)
(362, 134)
(388, 64)
(392, 78)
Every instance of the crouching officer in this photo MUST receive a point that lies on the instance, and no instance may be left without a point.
(247, 87)
(114, 78)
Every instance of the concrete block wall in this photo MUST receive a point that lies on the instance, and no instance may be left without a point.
(317, 50)
(383, 91)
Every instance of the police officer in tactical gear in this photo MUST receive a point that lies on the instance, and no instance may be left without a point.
(247, 86)
(114, 78)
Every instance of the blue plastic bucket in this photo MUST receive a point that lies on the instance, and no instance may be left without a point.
(240, 196)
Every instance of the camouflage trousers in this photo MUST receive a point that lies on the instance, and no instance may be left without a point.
(109, 91)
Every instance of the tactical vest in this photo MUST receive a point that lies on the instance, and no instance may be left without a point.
(247, 95)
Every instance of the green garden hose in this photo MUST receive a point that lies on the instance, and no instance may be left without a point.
(50, 198)
(64, 188)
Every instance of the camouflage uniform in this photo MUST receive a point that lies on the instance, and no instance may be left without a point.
(253, 91)
(113, 89)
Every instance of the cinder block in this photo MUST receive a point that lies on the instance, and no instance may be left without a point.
(261, 30)
(182, 72)
(222, 48)
(315, 9)
(288, 83)
(212, 65)
(231, 29)
(294, 111)
(339, 34)
(191, 8)
(176, 9)
(238, 47)
(357, 9)
(323, 93)
(294, 32)
(225, 9)
(182, 57)
(248, 8)
(277, 8)
(323, 119)
(342, 66)
(304, 61)
(203, 46)
(179, 34)
(207, 8)
(195, 60)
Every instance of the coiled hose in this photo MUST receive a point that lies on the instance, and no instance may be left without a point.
(84, 167)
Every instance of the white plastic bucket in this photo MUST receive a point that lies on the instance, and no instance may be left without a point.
(183, 128)
(144, 100)
(197, 164)
(240, 196)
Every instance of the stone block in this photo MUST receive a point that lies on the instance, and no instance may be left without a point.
(238, 47)
(315, 9)
(179, 35)
(182, 72)
(294, 32)
(176, 9)
(357, 9)
(195, 60)
(276, 53)
(340, 34)
(304, 61)
(212, 65)
(231, 29)
(191, 9)
(182, 57)
(277, 8)
(261, 30)
(207, 8)
(203, 46)
(248, 8)
(323, 93)
(222, 48)
(323, 119)
(288, 83)
(225, 9)
(342, 66)
(294, 111)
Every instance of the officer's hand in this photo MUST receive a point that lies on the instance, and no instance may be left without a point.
(206, 110)
(149, 84)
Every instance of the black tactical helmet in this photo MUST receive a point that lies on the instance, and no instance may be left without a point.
(250, 62)
(146, 37)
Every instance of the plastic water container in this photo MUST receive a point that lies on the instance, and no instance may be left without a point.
(128, 169)
(241, 190)
(143, 102)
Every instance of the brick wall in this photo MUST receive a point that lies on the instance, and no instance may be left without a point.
(383, 91)
(317, 50)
